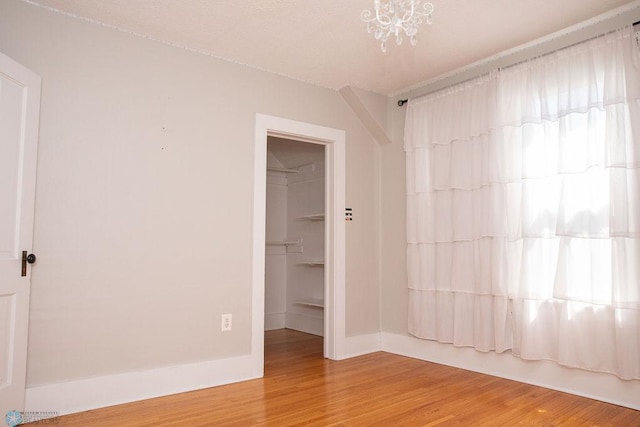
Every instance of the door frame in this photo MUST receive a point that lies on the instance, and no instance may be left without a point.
(334, 275)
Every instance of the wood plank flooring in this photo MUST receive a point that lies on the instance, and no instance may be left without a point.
(302, 388)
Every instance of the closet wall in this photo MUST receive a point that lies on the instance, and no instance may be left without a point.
(275, 254)
(294, 264)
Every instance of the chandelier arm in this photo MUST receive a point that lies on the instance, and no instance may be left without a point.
(384, 20)
(412, 11)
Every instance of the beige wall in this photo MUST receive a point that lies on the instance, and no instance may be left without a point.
(394, 293)
(144, 193)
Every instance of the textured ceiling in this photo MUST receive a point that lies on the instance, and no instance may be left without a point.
(324, 42)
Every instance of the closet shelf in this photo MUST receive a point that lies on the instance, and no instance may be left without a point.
(297, 242)
(285, 170)
(314, 217)
(311, 302)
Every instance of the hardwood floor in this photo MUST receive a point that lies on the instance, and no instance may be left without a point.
(302, 388)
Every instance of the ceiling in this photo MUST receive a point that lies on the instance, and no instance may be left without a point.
(325, 43)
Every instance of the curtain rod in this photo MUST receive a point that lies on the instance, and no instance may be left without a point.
(600, 25)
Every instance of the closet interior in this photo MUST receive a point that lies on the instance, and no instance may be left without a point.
(295, 231)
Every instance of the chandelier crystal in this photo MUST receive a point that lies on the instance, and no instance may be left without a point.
(398, 17)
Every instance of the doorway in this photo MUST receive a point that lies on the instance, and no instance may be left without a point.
(294, 262)
(333, 141)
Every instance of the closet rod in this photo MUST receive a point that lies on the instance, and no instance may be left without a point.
(575, 34)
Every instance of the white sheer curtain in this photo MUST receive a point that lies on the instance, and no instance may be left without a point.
(523, 209)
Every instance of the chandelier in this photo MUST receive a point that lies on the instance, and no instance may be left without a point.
(396, 17)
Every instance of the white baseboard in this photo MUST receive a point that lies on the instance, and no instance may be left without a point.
(82, 395)
(92, 393)
(362, 344)
(274, 321)
(304, 323)
(594, 385)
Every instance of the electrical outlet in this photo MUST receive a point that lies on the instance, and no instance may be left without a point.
(226, 322)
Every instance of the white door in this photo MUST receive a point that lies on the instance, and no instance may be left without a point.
(19, 115)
